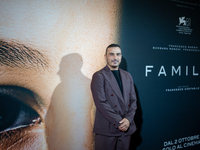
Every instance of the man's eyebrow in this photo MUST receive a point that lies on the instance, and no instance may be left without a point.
(13, 54)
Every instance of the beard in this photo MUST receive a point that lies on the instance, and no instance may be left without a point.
(113, 65)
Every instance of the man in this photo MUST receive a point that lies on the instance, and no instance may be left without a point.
(115, 100)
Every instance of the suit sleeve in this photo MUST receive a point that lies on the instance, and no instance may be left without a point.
(133, 102)
(98, 92)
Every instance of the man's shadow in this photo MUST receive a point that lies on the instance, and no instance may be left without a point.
(136, 138)
(69, 117)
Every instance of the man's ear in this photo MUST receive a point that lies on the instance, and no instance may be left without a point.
(105, 57)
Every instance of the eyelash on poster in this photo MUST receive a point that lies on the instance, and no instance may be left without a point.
(14, 113)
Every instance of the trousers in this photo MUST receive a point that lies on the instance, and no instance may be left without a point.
(103, 142)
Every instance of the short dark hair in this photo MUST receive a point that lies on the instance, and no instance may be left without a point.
(112, 45)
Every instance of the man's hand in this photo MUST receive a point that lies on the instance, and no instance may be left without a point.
(124, 124)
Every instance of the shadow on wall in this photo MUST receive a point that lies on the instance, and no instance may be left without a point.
(136, 138)
(70, 111)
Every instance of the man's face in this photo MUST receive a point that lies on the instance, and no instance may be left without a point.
(37, 109)
(113, 57)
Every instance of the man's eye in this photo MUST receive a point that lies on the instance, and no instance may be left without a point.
(14, 113)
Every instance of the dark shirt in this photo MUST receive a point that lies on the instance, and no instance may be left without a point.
(118, 78)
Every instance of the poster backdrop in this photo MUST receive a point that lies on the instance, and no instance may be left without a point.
(160, 45)
(50, 49)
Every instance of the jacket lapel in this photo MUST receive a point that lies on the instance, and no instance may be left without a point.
(112, 82)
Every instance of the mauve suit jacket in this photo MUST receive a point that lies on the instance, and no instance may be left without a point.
(111, 106)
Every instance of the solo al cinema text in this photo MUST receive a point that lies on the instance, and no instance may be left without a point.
(181, 143)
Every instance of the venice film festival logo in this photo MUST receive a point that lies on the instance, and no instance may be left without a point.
(184, 26)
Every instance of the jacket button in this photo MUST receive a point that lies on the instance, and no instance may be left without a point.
(114, 124)
(129, 105)
(129, 93)
(111, 94)
(115, 105)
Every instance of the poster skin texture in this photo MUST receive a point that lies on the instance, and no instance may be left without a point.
(48, 53)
